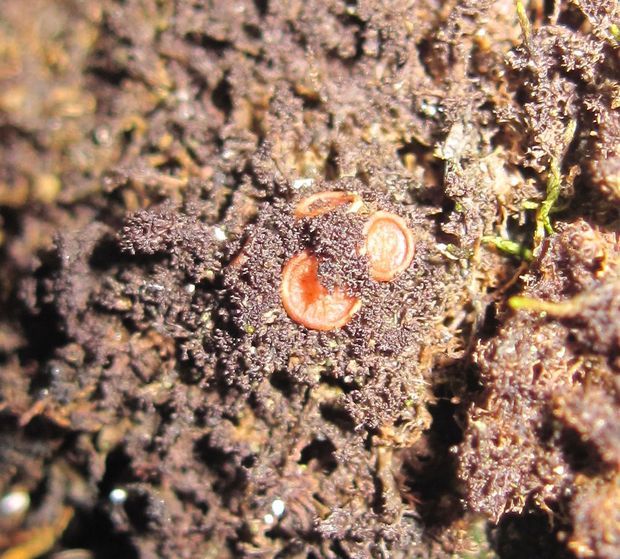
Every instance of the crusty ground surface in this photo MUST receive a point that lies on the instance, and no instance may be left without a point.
(156, 400)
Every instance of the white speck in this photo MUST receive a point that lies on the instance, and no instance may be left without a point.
(14, 503)
(428, 109)
(190, 288)
(599, 423)
(268, 518)
(219, 234)
(102, 135)
(186, 111)
(118, 496)
(302, 183)
(277, 507)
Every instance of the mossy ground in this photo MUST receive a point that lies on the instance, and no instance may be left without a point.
(155, 398)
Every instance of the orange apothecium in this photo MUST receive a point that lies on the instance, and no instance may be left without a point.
(308, 302)
(326, 201)
(389, 245)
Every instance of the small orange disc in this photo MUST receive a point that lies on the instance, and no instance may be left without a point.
(389, 245)
(327, 201)
(308, 302)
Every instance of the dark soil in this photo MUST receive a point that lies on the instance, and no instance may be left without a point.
(156, 400)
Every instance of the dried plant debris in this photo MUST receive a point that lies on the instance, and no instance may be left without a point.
(549, 410)
(158, 398)
(596, 519)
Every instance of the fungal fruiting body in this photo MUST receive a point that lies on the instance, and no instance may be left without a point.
(326, 201)
(388, 244)
(308, 302)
